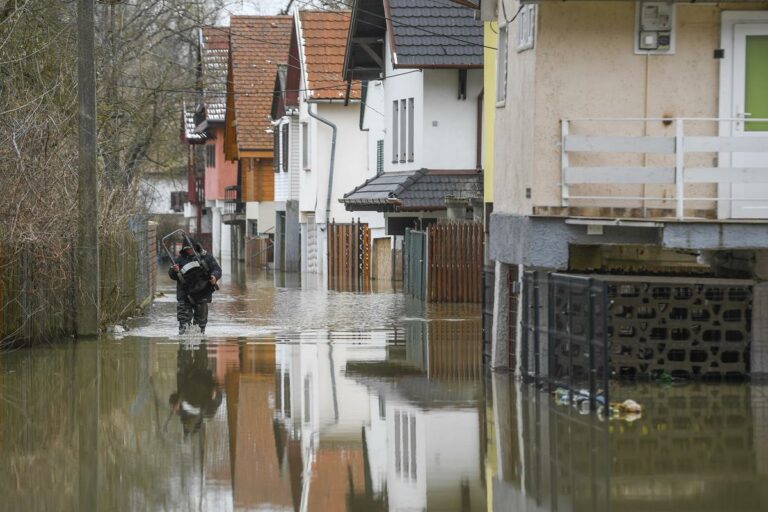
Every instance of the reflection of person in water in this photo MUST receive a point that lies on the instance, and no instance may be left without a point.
(198, 393)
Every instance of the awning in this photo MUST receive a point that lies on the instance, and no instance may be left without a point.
(417, 190)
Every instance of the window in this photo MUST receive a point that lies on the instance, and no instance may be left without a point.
(284, 146)
(526, 28)
(305, 146)
(379, 157)
(501, 67)
(403, 132)
(276, 151)
(210, 155)
(395, 105)
(410, 129)
(405, 445)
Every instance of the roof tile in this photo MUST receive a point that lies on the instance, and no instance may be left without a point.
(258, 44)
(324, 35)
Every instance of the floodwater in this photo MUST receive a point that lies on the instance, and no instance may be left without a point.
(302, 399)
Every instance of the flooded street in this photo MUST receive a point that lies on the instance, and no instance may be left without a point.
(301, 399)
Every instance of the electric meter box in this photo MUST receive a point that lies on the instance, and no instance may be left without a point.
(655, 28)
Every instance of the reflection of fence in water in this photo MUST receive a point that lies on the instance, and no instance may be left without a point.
(694, 444)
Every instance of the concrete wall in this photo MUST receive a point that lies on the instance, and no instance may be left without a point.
(224, 174)
(583, 65)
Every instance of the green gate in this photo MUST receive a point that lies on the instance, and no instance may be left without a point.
(415, 264)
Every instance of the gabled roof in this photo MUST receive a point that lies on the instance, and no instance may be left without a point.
(434, 34)
(188, 132)
(214, 58)
(257, 45)
(423, 189)
(423, 34)
(324, 40)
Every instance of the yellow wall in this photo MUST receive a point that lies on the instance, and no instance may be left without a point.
(491, 40)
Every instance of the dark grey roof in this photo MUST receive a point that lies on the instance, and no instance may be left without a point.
(423, 189)
(431, 33)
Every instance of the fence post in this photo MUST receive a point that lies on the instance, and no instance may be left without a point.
(679, 165)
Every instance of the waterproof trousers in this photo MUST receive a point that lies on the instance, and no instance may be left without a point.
(187, 313)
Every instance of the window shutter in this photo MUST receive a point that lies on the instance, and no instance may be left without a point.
(286, 147)
(395, 124)
(403, 132)
(410, 129)
(276, 151)
(379, 156)
(305, 146)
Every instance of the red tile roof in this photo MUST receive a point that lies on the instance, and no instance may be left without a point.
(324, 37)
(257, 45)
(214, 56)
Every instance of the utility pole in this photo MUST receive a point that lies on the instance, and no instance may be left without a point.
(87, 265)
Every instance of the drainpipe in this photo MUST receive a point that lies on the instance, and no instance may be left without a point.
(333, 158)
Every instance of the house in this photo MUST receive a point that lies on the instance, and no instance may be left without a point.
(203, 131)
(628, 141)
(320, 149)
(257, 45)
(209, 121)
(423, 105)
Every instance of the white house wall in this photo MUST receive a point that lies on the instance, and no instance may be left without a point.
(403, 84)
(449, 125)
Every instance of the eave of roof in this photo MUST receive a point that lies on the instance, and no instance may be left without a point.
(416, 190)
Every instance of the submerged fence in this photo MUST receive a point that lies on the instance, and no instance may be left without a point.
(39, 306)
(445, 263)
(572, 351)
(349, 256)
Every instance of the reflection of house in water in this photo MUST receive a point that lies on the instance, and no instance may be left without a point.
(423, 438)
(257, 476)
(697, 447)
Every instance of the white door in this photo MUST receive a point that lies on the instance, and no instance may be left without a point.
(750, 101)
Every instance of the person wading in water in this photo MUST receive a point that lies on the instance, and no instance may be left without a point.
(200, 272)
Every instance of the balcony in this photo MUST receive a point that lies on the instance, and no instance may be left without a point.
(234, 210)
(672, 168)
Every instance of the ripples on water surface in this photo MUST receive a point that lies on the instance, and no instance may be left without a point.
(304, 399)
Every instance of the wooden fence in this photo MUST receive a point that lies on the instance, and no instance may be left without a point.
(259, 251)
(455, 262)
(349, 257)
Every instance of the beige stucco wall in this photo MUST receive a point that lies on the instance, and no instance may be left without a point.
(583, 66)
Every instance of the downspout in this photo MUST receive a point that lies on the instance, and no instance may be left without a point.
(333, 159)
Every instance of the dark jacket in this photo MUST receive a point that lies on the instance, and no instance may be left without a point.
(183, 291)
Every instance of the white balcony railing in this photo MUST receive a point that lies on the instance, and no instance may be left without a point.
(596, 153)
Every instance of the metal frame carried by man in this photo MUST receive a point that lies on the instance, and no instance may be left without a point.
(197, 274)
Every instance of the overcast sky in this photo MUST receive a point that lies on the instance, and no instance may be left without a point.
(250, 7)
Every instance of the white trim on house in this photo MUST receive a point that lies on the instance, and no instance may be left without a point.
(729, 20)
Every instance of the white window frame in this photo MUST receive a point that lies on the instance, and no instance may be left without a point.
(526, 28)
(502, 65)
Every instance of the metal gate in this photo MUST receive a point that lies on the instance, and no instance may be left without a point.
(414, 263)
(574, 355)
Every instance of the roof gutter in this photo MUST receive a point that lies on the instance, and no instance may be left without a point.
(333, 161)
